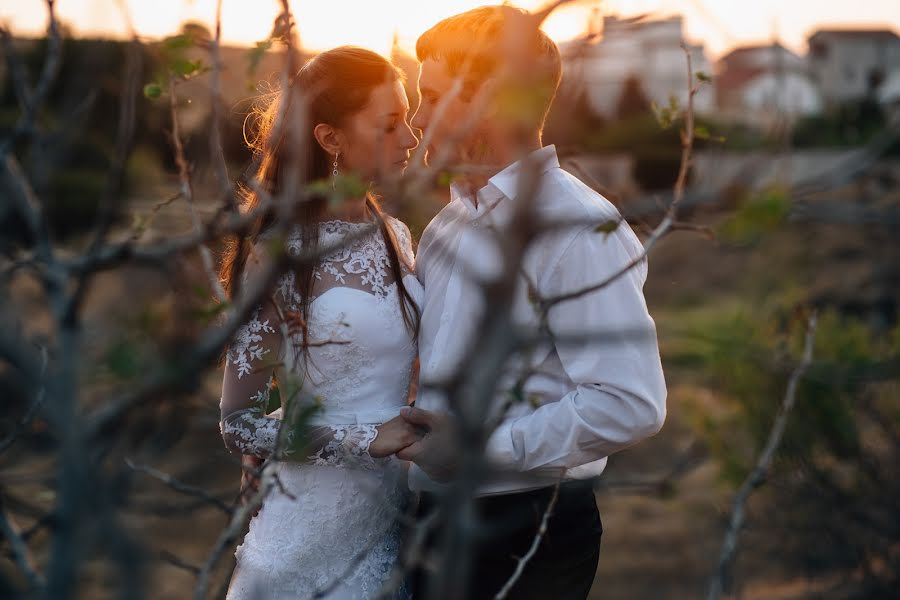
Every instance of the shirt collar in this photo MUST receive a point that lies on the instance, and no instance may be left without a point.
(504, 185)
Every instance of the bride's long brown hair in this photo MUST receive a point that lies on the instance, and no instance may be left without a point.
(331, 87)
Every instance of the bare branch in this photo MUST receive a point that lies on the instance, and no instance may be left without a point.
(25, 125)
(215, 140)
(187, 192)
(20, 551)
(411, 555)
(763, 463)
(32, 408)
(532, 550)
(179, 486)
(687, 145)
(30, 208)
(230, 534)
(173, 560)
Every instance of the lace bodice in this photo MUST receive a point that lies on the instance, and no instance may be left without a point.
(356, 371)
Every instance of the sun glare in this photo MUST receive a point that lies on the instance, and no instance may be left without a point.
(320, 24)
(326, 23)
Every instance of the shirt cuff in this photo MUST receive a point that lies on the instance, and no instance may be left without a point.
(499, 450)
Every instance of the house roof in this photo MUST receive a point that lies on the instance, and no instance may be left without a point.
(741, 50)
(885, 34)
(732, 79)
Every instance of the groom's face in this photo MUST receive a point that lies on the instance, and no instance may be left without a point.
(435, 85)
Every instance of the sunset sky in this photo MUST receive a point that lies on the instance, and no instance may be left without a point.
(720, 24)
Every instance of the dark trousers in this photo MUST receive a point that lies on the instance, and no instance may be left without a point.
(564, 565)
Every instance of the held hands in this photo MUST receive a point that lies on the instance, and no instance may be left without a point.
(434, 452)
(394, 436)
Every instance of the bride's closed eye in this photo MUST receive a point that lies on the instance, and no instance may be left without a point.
(392, 123)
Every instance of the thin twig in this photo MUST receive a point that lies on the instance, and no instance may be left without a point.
(763, 463)
(187, 192)
(231, 532)
(20, 551)
(215, 140)
(687, 145)
(535, 544)
(179, 486)
(24, 127)
(173, 560)
(32, 408)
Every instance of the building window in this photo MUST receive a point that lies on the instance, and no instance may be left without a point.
(818, 50)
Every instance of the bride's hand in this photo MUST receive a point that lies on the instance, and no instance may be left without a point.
(393, 436)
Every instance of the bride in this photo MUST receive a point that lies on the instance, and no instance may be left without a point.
(339, 335)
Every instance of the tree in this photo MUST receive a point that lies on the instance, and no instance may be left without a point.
(632, 101)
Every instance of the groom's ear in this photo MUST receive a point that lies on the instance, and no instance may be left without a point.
(328, 138)
(486, 97)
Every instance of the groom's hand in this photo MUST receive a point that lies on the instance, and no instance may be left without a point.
(435, 453)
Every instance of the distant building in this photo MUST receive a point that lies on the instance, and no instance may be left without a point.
(649, 49)
(851, 64)
(759, 85)
(889, 94)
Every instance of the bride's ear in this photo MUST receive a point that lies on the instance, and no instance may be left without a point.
(328, 138)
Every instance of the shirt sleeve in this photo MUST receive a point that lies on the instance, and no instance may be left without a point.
(620, 393)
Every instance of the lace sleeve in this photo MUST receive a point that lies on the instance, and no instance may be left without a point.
(251, 403)
(248, 384)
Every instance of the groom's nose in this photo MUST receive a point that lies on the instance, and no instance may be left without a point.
(410, 140)
(419, 121)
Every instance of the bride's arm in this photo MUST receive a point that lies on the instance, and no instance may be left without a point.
(248, 385)
(248, 398)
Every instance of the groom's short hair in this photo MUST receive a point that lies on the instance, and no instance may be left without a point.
(473, 44)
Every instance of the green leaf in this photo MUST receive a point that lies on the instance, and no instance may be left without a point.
(200, 291)
(666, 115)
(123, 359)
(152, 90)
(759, 215)
(701, 132)
(186, 68)
(515, 395)
(274, 402)
(703, 77)
(674, 104)
(178, 42)
(607, 227)
(256, 54)
(210, 311)
(349, 186)
(445, 178)
(321, 187)
(139, 222)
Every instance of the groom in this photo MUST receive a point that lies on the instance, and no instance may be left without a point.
(585, 400)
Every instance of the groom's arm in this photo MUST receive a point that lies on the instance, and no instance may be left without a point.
(620, 392)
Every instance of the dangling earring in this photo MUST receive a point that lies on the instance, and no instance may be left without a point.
(334, 173)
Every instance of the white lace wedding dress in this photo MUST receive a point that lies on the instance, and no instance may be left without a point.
(330, 522)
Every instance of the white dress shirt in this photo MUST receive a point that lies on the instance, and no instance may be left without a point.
(585, 399)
